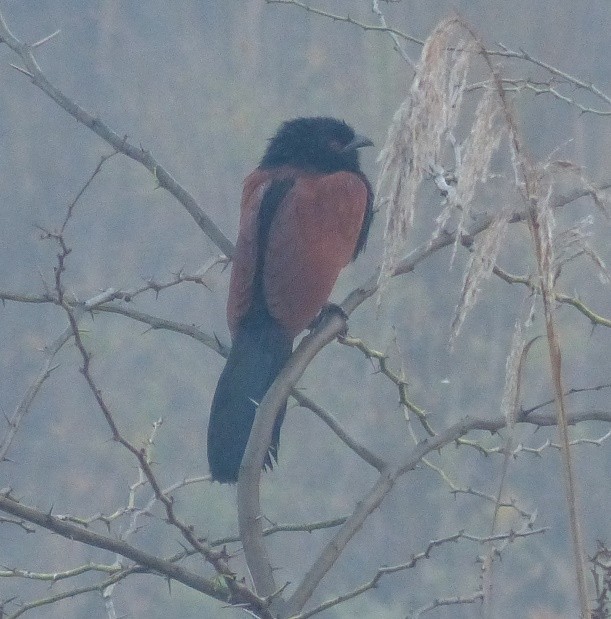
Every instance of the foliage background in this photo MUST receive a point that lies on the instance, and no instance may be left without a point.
(203, 85)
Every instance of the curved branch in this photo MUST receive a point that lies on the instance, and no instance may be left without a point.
(249, 516)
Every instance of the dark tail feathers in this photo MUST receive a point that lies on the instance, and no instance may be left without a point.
(259, 352)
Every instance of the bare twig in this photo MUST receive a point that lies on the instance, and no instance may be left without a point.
(417, 558)
(45, 39)
(79, 534)
(24, 406)
(449, 601)
(501, 51)
(348, 20)
(306, 527)
(55, 576)
(539, 88)
(574, 390)
(84, 188)
(47, 367)
(394, 377)
(571, 79)
(375, 7)
(103, 304)
(336, 427)
(19, 523)
(120, 144)
(53, 599)
(155, 322)
(456, 489)
(217, 559)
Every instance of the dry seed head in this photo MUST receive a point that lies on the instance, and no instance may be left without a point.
(414, 139)
(478, 149)
(474, 164)
(483, 258)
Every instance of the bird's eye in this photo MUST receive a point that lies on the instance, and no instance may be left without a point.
(335, 146)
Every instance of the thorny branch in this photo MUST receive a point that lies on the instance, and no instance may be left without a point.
(393, 377)
(449, 601)
(98, 588)
(120, 144)
(388, 474)
(560, 76)
(73, 532)
(408, 264)
(531, 283)
(349, 20)
(217, 559)
(509, 537)
(106, 303)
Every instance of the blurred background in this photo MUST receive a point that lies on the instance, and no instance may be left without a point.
(203, 85)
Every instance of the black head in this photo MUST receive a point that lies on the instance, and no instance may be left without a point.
(319, 144)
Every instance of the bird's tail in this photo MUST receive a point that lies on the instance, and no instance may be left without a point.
(259, 352)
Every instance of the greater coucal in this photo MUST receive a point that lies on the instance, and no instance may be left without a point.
(305, 214)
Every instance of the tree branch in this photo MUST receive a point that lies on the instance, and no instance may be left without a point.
(387, 479)
(76, 533)
(425, 554)
(120, 144)
(503, 52)
(249, 511)
(348, 20)
(341, 433)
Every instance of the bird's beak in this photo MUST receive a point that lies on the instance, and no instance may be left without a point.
(357, 142)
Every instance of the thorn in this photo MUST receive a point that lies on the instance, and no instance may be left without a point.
(22, 71)
(45, 40)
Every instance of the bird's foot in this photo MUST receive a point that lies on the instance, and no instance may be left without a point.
(329, 308)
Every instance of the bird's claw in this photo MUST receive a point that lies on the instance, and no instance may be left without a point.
(330, 308)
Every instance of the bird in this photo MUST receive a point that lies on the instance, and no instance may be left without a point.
(305, 214)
